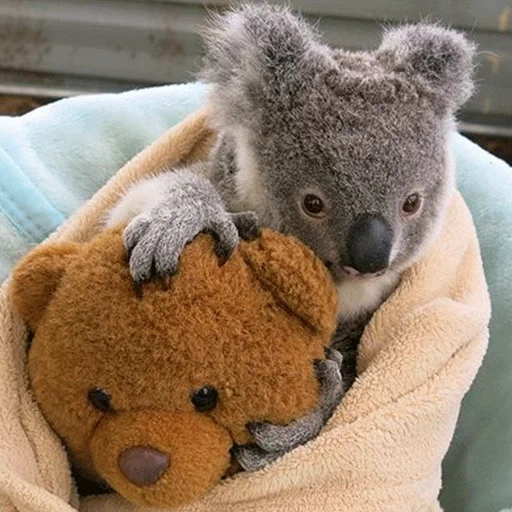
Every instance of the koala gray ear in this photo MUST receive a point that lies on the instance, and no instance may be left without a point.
(444, 58)
(252, 53)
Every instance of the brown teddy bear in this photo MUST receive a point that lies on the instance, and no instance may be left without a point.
(150, 392)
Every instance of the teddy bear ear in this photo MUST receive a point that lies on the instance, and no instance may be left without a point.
(295, 276)
(442, 57)
(35, 278)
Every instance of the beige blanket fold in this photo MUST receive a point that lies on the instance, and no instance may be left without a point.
(383, 448)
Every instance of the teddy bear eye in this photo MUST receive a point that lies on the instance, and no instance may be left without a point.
(100, 399)
(205, 399)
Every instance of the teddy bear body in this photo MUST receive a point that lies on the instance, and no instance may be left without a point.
(150, 391)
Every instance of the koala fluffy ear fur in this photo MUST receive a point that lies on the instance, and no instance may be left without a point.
(295, 277)
(35, 279)
(443, 58)
(253, 51)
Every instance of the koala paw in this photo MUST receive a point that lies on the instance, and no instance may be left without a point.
(333, 389)
(283, 438)
(279, 439)
(252, 457)
(155, 240)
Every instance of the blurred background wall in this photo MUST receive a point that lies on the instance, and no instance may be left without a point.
(56, 48)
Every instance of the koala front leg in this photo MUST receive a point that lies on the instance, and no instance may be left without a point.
(174, 208)
(273, 441)
(252, 457)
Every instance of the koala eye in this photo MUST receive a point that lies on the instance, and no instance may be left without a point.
(412, 205)
(100, 399)
(205, 399)
(313, 206)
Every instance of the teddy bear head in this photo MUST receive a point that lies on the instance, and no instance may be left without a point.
(150, 391)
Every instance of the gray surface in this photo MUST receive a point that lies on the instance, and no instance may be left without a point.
(471, 14)
(116, 44)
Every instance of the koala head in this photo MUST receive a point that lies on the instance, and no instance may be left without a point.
(348, 151)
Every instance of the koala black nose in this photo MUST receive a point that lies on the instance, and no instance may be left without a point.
(369, 244)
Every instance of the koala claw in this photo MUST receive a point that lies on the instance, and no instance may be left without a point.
(247, 228)
(247, 225)
(226, 239)
(333, 355)
(252, 457)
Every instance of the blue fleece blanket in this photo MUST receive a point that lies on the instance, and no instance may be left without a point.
(56, 157)
(53, 159)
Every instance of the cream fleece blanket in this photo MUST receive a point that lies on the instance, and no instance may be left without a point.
(382, 449)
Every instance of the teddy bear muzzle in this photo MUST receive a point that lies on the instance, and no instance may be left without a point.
(159, 458)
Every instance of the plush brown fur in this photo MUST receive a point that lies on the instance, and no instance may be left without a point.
(251, 328)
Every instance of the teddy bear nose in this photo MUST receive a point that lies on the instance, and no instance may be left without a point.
(143, 465)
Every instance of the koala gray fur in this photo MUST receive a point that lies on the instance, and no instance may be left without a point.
(361, 130)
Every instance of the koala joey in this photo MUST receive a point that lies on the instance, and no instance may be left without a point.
(348, 151)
